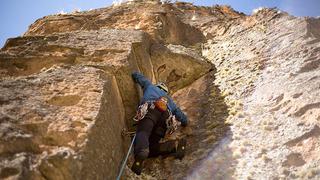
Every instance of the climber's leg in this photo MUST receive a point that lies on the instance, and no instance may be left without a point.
(141, 144)
(154, 145)
(158, 132)
(175, 147)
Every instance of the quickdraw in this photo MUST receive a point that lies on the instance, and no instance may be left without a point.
(142, 111)
(172, 124)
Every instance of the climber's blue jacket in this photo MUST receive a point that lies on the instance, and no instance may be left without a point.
(152, 93)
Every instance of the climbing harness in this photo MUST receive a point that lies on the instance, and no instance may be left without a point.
(126, 159)
(162, 105)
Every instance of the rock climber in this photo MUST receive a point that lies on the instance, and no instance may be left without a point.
(156, 116)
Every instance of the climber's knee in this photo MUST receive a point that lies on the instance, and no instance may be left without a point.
(142, 154)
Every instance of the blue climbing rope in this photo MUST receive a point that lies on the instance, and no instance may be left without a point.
(126, 159)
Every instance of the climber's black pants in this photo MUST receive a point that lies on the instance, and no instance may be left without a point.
(149, 132)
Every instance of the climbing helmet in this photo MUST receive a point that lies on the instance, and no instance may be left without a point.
(163, 87)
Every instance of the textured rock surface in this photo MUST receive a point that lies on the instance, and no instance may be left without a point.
(67, 96)
(67, 93)
(269, 70)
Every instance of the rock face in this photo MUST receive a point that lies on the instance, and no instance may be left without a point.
(67, 92)
(67, 96)
(268, 66)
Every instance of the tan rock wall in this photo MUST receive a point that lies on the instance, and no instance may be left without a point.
(67, 97)
(156, 19)
(105, 147)
(67, 91)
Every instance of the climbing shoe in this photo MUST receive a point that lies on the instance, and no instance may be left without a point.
(137, 166)
(180, 149)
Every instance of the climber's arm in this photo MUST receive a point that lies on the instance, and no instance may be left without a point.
(178, 113)
(141, 80)
(181, 117)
